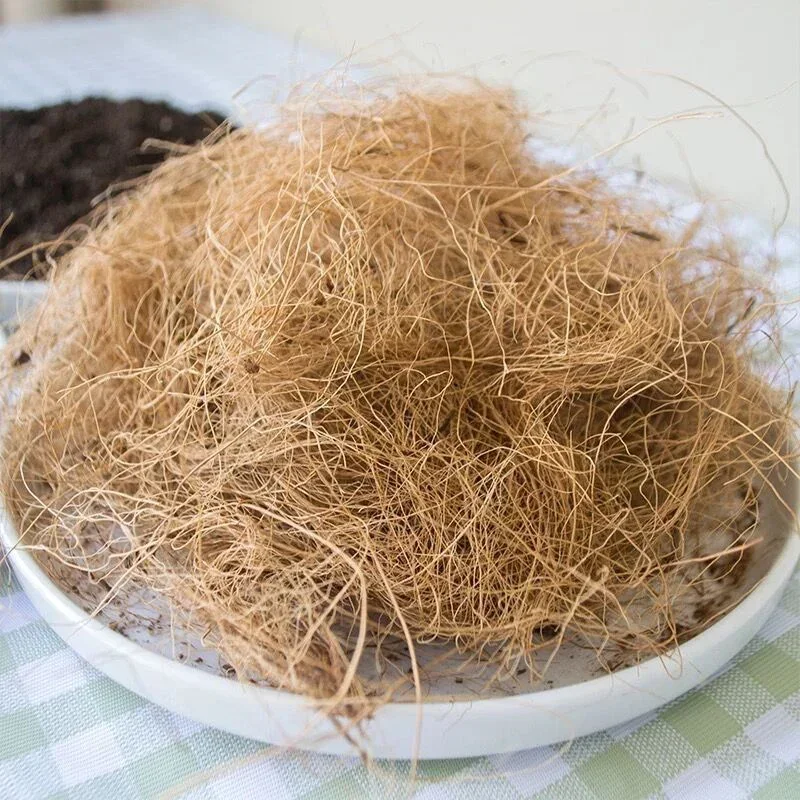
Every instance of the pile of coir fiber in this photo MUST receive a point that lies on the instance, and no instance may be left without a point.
(374, 372)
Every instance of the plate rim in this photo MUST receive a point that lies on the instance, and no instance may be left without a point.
(43, 592)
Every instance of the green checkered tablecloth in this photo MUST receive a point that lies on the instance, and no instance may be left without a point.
(66, 731)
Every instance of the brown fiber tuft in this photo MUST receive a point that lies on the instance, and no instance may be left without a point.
(376, 371)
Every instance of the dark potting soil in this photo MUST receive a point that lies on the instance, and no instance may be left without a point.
(56, 159)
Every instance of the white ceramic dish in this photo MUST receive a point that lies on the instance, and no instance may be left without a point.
(448, 729)
(459, 728)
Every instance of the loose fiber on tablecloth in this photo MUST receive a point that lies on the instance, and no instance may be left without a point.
(373, 372)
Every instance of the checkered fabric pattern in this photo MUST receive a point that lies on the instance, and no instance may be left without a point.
(66, 731)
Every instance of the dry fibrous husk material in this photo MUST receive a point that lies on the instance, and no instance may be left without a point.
(374, 371)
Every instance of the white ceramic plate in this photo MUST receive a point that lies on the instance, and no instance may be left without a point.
(457, 728)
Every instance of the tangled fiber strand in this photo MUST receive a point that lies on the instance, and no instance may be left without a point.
(372, 372)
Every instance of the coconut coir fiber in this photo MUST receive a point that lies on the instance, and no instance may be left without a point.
(376, 372)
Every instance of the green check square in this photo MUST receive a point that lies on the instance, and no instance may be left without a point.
(162, 770)
(346, 785)
(33, 641)
(781, 787)
(6, 659)
(441, 769)
(114, 785)
(775, 670)
(100, 700)
(615, 773)
(569, 786)
(703, 722)
(20, 733)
